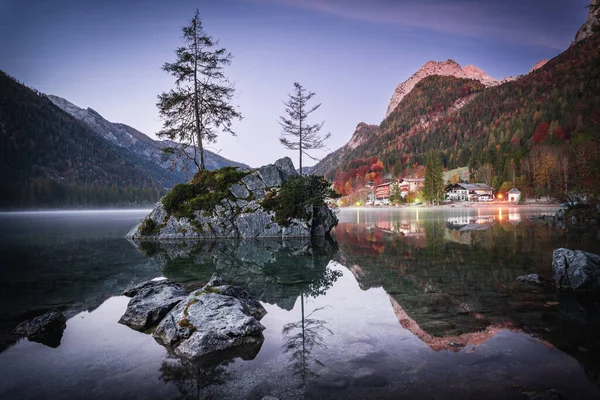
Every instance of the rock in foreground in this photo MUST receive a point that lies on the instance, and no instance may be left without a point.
(533, 279)
(151, 301)
(229, 203)
(214, 319)
(46, 329)
(576, 270)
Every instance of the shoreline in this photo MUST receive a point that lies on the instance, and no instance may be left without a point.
(455, 206)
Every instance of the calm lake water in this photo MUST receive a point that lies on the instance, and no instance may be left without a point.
(405, 303)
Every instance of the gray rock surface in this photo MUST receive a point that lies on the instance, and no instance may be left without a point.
(270, 175)
(576, 270)
(285, 167)
(243, 216)
(239, 191)
(46, 329)
(253, 182)
(210, 320)
(534, 279)
(151, 301)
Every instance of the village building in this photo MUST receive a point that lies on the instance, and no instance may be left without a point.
(469, 192)
(411, 185)
(382, 192)
(514, 195)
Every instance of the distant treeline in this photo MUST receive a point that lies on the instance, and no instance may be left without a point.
(47, 193)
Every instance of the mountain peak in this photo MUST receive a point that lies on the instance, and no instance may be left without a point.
(444, 68)
(538, 65)
(586, 29)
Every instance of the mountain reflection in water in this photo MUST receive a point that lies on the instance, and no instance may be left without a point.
(404, 303)
(451, 281)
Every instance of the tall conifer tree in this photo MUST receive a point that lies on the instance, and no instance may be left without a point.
(200, 104)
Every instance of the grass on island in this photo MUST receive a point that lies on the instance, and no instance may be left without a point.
(203, 192)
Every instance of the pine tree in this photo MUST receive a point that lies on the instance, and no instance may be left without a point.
(433, 189)
(200, 103)
(304, 136)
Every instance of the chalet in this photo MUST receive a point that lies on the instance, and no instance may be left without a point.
(411, 185)
(469, 192)
(382, 192)
(514, 195)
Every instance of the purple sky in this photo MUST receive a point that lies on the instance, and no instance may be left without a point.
(107, 55)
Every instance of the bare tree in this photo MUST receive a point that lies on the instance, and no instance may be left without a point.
(304, 136)
(200, 103)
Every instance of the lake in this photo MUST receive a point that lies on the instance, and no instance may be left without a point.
(409, 303)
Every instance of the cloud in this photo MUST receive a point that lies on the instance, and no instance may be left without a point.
(537, 22)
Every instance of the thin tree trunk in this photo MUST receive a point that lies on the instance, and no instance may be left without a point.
(303, 340)
(300, 137)
(196, 102)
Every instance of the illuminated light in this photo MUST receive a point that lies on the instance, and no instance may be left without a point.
(358, 204)
(499, 196)
(416, 200)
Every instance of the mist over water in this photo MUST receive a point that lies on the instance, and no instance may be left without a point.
(419, 303)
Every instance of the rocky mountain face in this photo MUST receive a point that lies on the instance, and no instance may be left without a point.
(586, 29)
(147, 151)
(443, 68)
(476, 122)
(361, 134)
(538, 65)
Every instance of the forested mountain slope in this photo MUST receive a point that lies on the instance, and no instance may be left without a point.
(48, 158)
(145, 150)
(540, 131)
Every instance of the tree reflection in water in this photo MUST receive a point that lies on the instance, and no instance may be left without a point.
(303, 336)
(272, 271)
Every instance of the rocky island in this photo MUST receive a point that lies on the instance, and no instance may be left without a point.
(271, 201)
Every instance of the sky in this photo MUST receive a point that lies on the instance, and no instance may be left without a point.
(107, 54)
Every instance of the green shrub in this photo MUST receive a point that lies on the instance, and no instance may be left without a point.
(148, 227)
(203, 192)
(295, 195)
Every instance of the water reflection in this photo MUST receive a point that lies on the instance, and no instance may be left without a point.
(452, 281)
(301, 339)
(192, 378)
(72, 261)
(272, 271)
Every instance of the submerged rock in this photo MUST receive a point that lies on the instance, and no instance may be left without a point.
(327, 378)
(214, 319)
(151, 301)
(576, 269)
(368, 377)
(533, 279)
(552, 394)
(46, 329)
(239, 213)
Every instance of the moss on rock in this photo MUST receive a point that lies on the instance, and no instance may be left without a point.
(203, 192)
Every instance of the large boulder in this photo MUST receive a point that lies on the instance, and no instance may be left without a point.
(46, 329)
(239, 214)
(151, 301)
(211, 320)
(576, 270)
